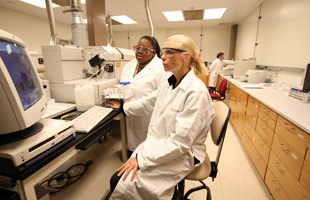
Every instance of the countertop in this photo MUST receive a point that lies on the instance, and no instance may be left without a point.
(279, 101)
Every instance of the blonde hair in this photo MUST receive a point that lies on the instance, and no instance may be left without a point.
(186, 43)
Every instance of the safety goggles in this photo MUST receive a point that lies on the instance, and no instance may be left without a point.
(143, 50)
(169, 52)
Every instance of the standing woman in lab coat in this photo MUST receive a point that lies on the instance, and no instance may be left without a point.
(181, 119)
(144, 73)
(215, 68)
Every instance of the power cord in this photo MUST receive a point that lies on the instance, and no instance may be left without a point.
(61, 180)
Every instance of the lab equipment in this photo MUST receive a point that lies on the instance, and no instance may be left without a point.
(18, 153)
(228, 70)
(76, 60)
(121, 91)
(84, 97)
(89, 119)
(256, 76)
(241, 66)
(21, 94)
(301, 95)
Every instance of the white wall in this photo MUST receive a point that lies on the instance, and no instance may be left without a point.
(34, 31)
(282, 37)
(213, 40)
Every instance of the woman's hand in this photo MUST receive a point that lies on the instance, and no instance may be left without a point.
(130, 165)
(115, 104)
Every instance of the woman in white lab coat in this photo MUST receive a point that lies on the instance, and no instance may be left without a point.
(144, 73)
(215, 68)
(181, 119)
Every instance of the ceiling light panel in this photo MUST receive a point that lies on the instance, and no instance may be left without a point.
(174, 15)
(214, 13)
(37, 3)
(123, 19)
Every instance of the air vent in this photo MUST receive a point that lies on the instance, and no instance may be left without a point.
(193, 14)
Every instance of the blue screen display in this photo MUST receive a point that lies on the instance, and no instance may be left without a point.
(22, 73)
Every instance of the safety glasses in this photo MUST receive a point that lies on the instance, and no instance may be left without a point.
(143, 50)
(169, 52)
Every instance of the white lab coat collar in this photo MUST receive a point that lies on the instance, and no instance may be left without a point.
(148, 68)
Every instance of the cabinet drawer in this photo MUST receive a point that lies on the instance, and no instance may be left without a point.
(273, 115)
(253, 104)
(288, 156)
(251, 118)
(265, 128)
(274, 186)
(286, 180)
(260, 146)
(296, 137)
(305, 176)
(254, 155)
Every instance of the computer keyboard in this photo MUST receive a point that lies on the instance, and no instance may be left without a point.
(89, 119)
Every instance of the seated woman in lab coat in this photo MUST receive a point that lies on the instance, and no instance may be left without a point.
(145, 73)
(181, 119)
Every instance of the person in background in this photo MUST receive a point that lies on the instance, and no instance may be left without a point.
(144, 73)
(215, 68)
(175, 143)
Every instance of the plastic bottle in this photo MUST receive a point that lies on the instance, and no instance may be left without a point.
(84, 97)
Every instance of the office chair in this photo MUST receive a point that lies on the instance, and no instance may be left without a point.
(207, 168)
(220, 93)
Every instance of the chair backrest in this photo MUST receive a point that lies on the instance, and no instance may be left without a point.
(222, 88)
(219, 125)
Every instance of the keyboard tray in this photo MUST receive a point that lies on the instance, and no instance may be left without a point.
(86, 143)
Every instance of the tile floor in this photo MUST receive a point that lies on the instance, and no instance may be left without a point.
(237, 178)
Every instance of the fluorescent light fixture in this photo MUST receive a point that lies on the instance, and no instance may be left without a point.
(39, 3)
(85, 21)
(174, 15)
(214, 13)
(123, 19)
(83, 1)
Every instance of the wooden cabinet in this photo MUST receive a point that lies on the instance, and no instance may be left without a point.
(237, 100)
(277, 147)
(285, 179)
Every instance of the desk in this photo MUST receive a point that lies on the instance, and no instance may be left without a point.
(48, 162)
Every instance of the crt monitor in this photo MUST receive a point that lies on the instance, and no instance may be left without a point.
(22, 100)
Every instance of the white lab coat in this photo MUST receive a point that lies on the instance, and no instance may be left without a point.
(144, 83)
(177, 132)
(215, 68)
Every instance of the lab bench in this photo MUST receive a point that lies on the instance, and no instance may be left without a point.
(107, 155)
(275, 131)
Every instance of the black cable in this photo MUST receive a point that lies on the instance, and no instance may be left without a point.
(64, 176)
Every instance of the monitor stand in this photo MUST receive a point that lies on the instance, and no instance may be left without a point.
(20, 135)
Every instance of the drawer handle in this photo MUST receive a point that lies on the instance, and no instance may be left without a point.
(256, 156)
(279, 168)
(286, 150)
(288, 127)
(273, 182)
(266, 110)
(252, 100)
(260, 142)
(262, 126)
(264, 118)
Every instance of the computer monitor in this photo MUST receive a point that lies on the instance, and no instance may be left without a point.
(305, 82)
(22, 100)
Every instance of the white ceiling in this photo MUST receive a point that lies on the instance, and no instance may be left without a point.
(236, 11)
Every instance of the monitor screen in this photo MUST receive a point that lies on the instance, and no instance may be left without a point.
(22, 74)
